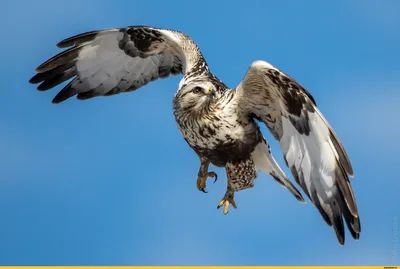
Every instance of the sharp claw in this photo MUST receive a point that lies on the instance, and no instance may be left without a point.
(216, 178)
(201, 181)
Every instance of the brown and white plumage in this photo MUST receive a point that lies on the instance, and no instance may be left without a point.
(312, 151)
(218, 123)
(113, 61)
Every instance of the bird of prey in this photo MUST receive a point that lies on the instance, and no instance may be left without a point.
(219, 123)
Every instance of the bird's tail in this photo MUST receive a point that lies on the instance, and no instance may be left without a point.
(264, 161)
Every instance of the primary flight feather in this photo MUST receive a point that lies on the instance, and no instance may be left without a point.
(218, 123)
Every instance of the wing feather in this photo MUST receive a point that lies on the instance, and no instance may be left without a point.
(108, 62)
(312, 150)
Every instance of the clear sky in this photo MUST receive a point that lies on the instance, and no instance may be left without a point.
(110, 181)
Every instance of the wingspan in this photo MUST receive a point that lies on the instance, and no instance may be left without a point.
(108, 62)
(312, 151)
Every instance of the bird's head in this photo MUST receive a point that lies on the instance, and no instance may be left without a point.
(197, 95)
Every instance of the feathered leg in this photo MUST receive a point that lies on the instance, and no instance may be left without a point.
(240, 176)
(204, 174)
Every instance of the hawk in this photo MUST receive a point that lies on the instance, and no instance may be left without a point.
(219, 123)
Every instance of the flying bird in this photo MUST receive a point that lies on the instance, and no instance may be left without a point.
(219, 123)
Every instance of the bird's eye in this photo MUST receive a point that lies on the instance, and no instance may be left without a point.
(197, 90)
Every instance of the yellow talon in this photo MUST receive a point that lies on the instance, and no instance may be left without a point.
(233, 204)
(226, 202)
(226, 207)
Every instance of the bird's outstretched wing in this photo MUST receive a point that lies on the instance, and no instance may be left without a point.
(108, 62)
(312, 151)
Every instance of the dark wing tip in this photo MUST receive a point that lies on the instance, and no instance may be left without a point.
(71, 41)
(59, 98)
(84, 37)
(65, 43)
(339, 230)
(340, 211)
(298, 196)
(44, 67)
(67, 92)
(35, 79)
(301, 198)
(354, 225)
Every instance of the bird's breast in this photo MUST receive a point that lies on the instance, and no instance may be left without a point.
(220, 138)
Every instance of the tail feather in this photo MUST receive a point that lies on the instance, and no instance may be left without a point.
(264, 161)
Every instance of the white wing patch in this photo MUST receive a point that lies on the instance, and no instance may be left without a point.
(312, 155)
(104, 66)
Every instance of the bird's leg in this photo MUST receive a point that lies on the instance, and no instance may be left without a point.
(228, 200)
(204, 174)
(240, 176)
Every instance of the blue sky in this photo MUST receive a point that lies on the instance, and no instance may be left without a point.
(110, 181)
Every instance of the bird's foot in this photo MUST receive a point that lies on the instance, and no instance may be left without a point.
(201, 180)
(227, 200)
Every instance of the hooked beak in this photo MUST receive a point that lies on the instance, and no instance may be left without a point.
(211, 91)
